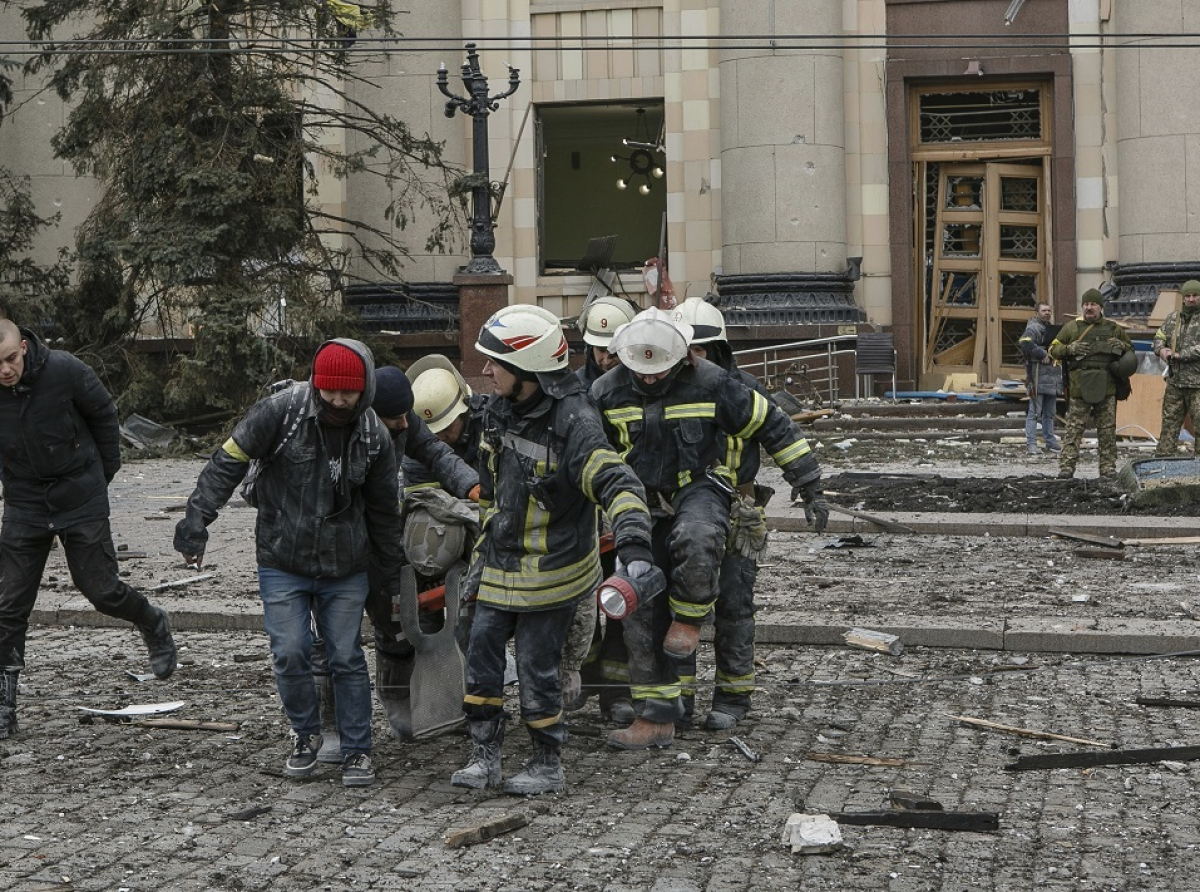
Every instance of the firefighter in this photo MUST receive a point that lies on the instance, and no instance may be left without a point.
(733, 629)
(595, 660)
(598, 323)
(546, 467)
(668, 414)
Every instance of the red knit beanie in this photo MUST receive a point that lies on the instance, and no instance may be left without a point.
(338, 368)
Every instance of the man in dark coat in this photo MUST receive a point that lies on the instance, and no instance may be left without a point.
(59, 449)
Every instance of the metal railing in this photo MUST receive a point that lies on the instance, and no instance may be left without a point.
(805, 368)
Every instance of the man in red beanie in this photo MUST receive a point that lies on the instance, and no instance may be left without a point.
(328, 503)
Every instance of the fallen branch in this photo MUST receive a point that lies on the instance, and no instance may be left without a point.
(1168, 540)
(1028, 732)
(1114, 757)
(470, 836)
(971, 821)
(840, 759)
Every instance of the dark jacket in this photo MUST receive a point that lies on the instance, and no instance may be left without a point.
(307, 524)
(546, 467)
(60, 440)
(673, 439)
(427, 461)
(1040, 377)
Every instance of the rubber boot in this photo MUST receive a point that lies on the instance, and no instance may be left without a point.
(8, 704)
(161, 645)
(642, 735)
(482, 770)
(541, 774)
(331, 742)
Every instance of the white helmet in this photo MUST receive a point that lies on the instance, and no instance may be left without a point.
(525, 336)
(602, 318)
(707, 322)
(439, 399)
(655, 341)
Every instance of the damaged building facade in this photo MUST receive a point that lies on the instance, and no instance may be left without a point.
(929, 168)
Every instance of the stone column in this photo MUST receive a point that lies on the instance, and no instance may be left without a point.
(478, 298)
(1158, 123)
(783, 146)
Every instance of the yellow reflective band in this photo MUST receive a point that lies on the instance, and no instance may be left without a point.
(625, 501)
(614, 670)
(473, 700)
(735, 448)
(545, 723)
(736, 684)
(596, 462)
(655, 692)
(690, 410)
(687, 685)
(690, 610)
(758, 414)
(682, 480)
(789, 454)
(626, 415)
(234, 451)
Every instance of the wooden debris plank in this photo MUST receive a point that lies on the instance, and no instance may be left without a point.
(806, 417)
(1101, 554)
(1167, 701)
(869, 639)
(1166, 540)
(186, 725)
(844, 759)
(971, 821)
(1113, 757)
(470, 836)
(889, 526)
(1026, 732)
(1091, 538)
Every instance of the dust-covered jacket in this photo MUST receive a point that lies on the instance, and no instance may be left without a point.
(673, 440)
(60, 440)
(298, 529)
(1181, 332)
(1040, 377)
(545, 468)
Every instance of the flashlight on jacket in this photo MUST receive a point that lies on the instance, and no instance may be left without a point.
(621, 594)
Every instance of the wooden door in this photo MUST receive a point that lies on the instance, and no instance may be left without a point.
(987, 269)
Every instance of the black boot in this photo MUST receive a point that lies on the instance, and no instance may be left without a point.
(8, 704)
(542, 774)
(483, 768)
(161, 645)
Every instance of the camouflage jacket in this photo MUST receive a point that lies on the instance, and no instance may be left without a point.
(1181, 332)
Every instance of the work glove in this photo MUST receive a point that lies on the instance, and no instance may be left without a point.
(1116, 346)
(1079, 349)
(816, 509)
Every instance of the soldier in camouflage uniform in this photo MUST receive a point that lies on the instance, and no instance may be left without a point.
(1089, 344)
(1177, 344)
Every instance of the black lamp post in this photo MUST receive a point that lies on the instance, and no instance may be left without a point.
(478, 105)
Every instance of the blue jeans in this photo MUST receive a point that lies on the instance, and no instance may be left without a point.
(289, 602)
(1041, 409)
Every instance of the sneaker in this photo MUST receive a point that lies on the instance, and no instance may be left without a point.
(1055, 448)
(303, 759)
(1032, 450)
(357, 771)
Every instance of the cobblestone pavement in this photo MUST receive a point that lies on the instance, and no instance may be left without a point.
(120, 807)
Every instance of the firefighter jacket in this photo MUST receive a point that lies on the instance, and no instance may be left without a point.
(59, 440)
(672, 439)
(425, 465)
(1089, 376)
(1040, 377)
(320, 515)
(1181, 332)
(546, 467)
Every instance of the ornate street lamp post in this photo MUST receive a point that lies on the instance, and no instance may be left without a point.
(478, 105)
